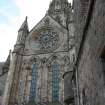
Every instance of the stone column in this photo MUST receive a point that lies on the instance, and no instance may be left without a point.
(9, 79)
(68, 88)
(44, 83)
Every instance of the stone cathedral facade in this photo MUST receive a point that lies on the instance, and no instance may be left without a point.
(41, 57)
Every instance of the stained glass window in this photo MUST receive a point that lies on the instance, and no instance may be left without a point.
(55, 82)
(21, 88)
(33, 83)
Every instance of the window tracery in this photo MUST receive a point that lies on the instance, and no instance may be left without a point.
(33, 83)
(21, 87)
(55, 82)
(48, 39)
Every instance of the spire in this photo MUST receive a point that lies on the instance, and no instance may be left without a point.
(24, 26)
(59, 10)
(22, 34)
(58, 6)
(7, 63)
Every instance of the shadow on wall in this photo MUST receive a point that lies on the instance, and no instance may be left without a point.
(1, 98)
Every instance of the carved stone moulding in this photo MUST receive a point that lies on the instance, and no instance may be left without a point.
(45, 39)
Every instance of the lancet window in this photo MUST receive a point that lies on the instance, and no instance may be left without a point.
(33, 83)
(55, 82)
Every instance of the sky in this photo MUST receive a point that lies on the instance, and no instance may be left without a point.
(12, 15)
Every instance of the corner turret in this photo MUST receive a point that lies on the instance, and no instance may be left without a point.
(22, 34)
(6, 65)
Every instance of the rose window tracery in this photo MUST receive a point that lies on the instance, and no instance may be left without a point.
(48, 39)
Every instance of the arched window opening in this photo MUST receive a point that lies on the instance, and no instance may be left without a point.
(57, 5)
(103, 63)
(32, 96)
(21, 91)
(55, 82)
(21, 88)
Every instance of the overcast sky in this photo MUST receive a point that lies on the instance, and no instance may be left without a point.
(12, 14)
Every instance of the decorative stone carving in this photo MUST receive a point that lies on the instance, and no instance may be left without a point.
(65, 46)
(71, 43)
(36, 60)
(26, 65)
(47, 22)
(48, 39)
(44, 60)
(66, 60)
(45, 39)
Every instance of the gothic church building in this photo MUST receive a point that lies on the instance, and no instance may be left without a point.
(41, 58)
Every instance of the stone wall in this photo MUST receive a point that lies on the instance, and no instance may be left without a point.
(81, 8)
(1, 65)
(2, 82)
(91, 73)
(1, 100)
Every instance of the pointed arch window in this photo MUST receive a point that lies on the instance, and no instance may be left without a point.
(57, 5)
(55, 82)
(21, 88)
(33, 83)
(102, 60)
